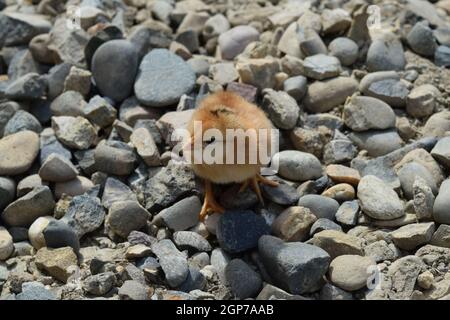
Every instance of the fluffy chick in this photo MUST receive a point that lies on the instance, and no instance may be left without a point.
(226, 110)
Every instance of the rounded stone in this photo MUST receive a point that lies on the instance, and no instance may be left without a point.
(345, 49)
(363, 113)
(320, 206)
(17, 152)
(114, 68)
(378, 199)
(163, 78)
(407, 175)
(234, 41)
(297, 165)
(351, 272)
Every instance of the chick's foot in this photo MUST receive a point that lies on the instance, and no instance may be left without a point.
(210, 204)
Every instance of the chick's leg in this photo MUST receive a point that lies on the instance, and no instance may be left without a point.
(254, 182)
(210, 203)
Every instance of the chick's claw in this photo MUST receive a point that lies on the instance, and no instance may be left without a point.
(210, 204)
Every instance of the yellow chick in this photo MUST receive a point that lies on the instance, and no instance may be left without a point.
(221, 111)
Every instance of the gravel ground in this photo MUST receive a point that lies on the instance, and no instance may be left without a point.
(93, 207)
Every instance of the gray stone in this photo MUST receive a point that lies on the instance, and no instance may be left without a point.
(381, 251)
(239, 231)
(215, 26)
(35, 290)
(22, 212)
(57, 169)
(295, 87)
(320, 206)
(330, 292)
(117, 60)
(442, 56)
(84, 214)
(386, 53)
(195, 281)
(442, 35)
(234, 41)
(21, 121)
(339, 151)
(377, 142)
(393, 92)
(191, 240)
(19, 28)
(99, 284)
(297, 165)
(408, 175)
(29, 86)
(421, 39)
(322, 96)
(223, 73)
(171, 183)
(441, 236)
(163, 78)
(437, 125)
(378, 200)
(56, 76)
(49, 144)
(321, 66)
(243, 280)
(421, 101)
(132, 290)
(413, 235)
(7, 191)
(115, 158)
(441, 208)
(364, 113)
(441, 152)
(182, 215)
(282, 109)
(173, 262)
(345, 49)
(284, 194)
(126, 216)
(7, 110)
(324, 224)
(58, 234)
(296, 267)
(115, 191)
(423, 199)
(348, 213)
(100, 112)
